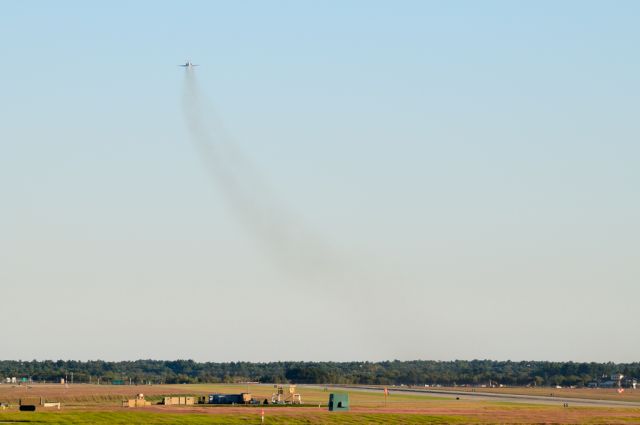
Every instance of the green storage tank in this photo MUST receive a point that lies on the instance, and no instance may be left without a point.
(338, 402)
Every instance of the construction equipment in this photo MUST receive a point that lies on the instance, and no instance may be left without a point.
(288, 397)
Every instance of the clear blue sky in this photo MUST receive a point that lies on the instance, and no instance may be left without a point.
(472, 166)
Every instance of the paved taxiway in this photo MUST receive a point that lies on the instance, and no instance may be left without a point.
(485, 396)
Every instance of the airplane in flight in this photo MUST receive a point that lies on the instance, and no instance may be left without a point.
(188, 64)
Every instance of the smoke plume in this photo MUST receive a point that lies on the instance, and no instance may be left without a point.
(350, 290)
(247, 192)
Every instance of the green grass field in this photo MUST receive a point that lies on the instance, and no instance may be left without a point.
(91, 404)
(145, 418)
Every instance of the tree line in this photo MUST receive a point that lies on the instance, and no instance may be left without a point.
(416, 372)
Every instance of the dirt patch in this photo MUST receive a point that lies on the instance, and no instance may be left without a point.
(85, 393)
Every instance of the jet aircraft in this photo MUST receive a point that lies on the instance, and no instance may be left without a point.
(188, 64)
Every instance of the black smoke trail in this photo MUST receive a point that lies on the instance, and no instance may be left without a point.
(248, 195)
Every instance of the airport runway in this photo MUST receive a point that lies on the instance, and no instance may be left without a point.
(485, 396)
